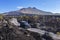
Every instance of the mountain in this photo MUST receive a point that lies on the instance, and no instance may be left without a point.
(34, 10)
(29, 11)
(57, 14)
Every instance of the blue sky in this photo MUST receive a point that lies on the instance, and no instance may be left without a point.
(46, 5)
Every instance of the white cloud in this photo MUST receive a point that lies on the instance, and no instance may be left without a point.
(19, 7)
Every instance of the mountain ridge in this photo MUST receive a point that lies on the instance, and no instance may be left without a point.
(30, 10)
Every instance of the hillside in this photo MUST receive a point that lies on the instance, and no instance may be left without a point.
(28, 11)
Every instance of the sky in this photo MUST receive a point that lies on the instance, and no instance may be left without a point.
(45, 5)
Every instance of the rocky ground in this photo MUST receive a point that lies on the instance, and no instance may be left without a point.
(12, 30)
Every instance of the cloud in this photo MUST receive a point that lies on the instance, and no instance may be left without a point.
(19, 7)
